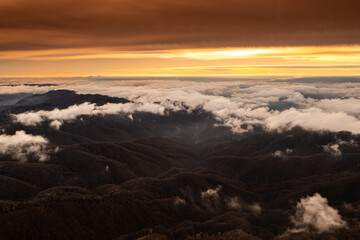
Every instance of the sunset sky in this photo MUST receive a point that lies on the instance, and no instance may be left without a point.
(42, 38)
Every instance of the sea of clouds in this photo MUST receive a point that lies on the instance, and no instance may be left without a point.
(240, 105)
(274, 105)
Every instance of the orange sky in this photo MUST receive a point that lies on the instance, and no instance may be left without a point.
(182, 37)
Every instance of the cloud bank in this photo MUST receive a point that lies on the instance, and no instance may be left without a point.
(239, 105)
(58, 116)
(164, 24)
(240, 108)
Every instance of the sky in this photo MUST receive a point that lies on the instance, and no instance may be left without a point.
(42, 38)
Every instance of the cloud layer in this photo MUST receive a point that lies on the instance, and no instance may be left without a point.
(238, 105)
(164, 24)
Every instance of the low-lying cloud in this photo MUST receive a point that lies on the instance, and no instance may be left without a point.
(58, 116)
(238, 105)
(211, 193)
(233, 203)
(313, 119)
(334, 148)
(179, 201)
(282, 154)
(21, 145)
(255, 208)
(313, 214)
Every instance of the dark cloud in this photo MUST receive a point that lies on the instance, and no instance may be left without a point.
(161, 24)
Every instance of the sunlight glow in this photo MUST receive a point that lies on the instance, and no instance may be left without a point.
(293, 61)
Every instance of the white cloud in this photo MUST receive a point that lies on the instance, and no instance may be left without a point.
(312, 119)
(56, 124)
(131, 117)
(350, 106)
(57, 116)
(211, 193)
(233, 203)
(282, 154)
(238, 105)
(179, 201)
(255, 208)
(70, 113)
(296, 97)
(22, 145)
(314, 214)
(333, 149)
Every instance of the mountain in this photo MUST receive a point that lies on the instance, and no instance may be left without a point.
(173, 176)
(57, 99)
